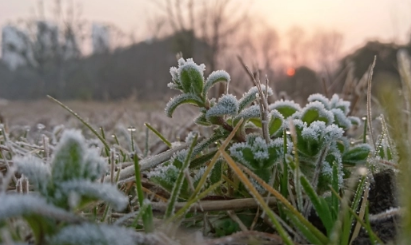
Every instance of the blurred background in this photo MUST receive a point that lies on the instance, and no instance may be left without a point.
(114, 50)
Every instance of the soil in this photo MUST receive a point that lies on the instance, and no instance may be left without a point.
(382, 197)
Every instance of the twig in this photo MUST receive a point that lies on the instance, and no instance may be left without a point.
(220, 205)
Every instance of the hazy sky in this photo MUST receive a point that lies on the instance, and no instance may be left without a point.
(358, 20)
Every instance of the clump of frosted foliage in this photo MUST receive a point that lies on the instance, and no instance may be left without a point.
(226, 105)
(70, 178)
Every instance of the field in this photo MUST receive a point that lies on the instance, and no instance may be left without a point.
(200, 170)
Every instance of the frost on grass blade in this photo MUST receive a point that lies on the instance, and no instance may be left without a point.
(191, 76)
(35, 170)
(343, 105)
(226, 105)
(286, 107)
(341, 119)
(315, 111)
(96, 234)
(320, 98)
(182, 99)
(251, 95)
(98, 191)
(215, 77)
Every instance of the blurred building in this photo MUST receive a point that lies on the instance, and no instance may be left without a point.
(14, 47)
(100, 35)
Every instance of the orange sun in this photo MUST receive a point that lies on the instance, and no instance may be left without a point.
(290, 72)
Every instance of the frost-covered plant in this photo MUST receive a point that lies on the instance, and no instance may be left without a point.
(65, 184)
(305, 146)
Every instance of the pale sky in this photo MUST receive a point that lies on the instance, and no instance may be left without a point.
(358, 20)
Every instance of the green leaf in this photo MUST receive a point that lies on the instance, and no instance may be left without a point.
(315, 111)
(202, 120)
(182, 99)
(285, 107)
(251, 96)
(276, 123)
(191, 78)
(356, 155)
(226, 105)
(217, 172)
(213, 78)
(319, 204)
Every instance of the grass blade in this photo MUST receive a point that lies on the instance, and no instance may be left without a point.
(179, 182)
(158, 134)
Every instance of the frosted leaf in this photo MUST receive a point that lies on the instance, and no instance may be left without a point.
(15, 205)
(321, 98)
(250, 112)
(355, 120)
(202, 120)
(99, 191)
(357, 154)
(35, 170)
(343, 105)
(215, 77)
(190, 136)
(255, 153)
(182, 99)
(286, 107)
(314, 132)
(251, 95)
(315, 111)
(164, 175)
(96, 234)
(94, 165)
(277, 123)
(174, 76)
(191, 76)
(341, 119)
(68, 157)
(226, 105)
(332, 133)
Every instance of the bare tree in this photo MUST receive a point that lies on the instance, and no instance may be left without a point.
(215, 22)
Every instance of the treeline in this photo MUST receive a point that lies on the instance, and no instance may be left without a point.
(142, 71)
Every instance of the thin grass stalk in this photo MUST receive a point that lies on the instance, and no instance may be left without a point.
(158, 134)
(179, 182)
(369, 112)
(82, 121)
(148, 215)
